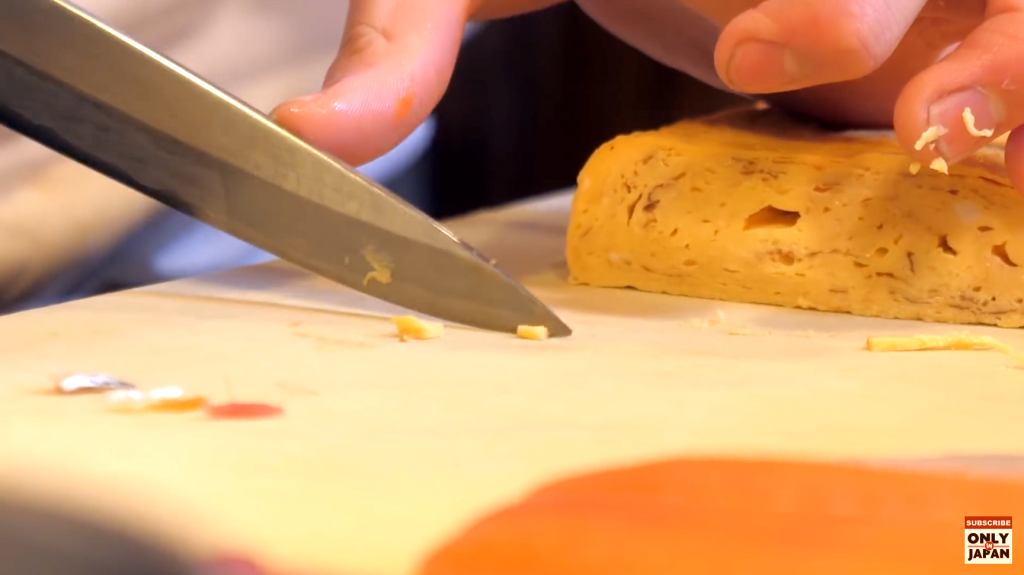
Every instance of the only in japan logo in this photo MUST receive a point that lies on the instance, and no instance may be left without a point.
(988, 540)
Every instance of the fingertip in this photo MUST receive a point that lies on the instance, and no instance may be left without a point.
(961, 115)
(931, 122)
(972, 92)
(284, 114)
(750, 56)
(910, 118)
(391, 71)
(358, 119)
(784, 45)
(759, 53)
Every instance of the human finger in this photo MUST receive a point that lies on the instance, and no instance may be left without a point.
(784, 45)
(395, 62)
(972, 96)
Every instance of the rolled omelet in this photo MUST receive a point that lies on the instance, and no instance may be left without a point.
(753, 206)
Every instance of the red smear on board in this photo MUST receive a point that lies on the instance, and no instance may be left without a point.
(243, 411)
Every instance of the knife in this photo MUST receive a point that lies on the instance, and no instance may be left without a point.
(79, 87)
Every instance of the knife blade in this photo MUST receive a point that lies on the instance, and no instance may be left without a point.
(87, 91)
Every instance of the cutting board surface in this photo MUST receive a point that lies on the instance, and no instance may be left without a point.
(386, 449)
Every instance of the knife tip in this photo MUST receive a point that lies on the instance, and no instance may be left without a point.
(558, 328)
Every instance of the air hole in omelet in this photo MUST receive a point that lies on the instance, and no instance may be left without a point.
(771, 217)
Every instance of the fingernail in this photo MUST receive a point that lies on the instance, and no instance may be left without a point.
(759, 66)
(970, 117)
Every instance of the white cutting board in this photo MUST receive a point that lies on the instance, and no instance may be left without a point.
(387, 448)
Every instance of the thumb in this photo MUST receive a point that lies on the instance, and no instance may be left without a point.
(395, 62)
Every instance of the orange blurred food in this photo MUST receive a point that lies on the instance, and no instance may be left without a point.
(732, 517)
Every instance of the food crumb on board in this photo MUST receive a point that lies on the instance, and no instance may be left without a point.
(930, 342)
(534, 332)
(719, 319)
(82, 383)
(382, 266)
(972, 129)
(953, 342)
(410, 327)
(939, 165)
(915, 167)
(930, 136)
(741, 330)
(243, 411)
(164, 399)
(744, 330)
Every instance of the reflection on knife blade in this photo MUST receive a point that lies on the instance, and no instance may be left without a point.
(83, 89)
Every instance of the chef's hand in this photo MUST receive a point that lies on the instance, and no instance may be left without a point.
(872, 63)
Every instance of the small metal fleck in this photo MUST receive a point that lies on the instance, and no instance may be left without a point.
(82, 383)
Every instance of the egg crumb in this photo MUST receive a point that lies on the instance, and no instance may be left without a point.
(915, 167)
(410, 327)
(534, 332)
(939, 165)
(381, 264)
(165, 399)
(953, 342)
(929, 136)
(972, 129)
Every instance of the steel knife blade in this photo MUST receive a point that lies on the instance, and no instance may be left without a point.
(91, 93)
